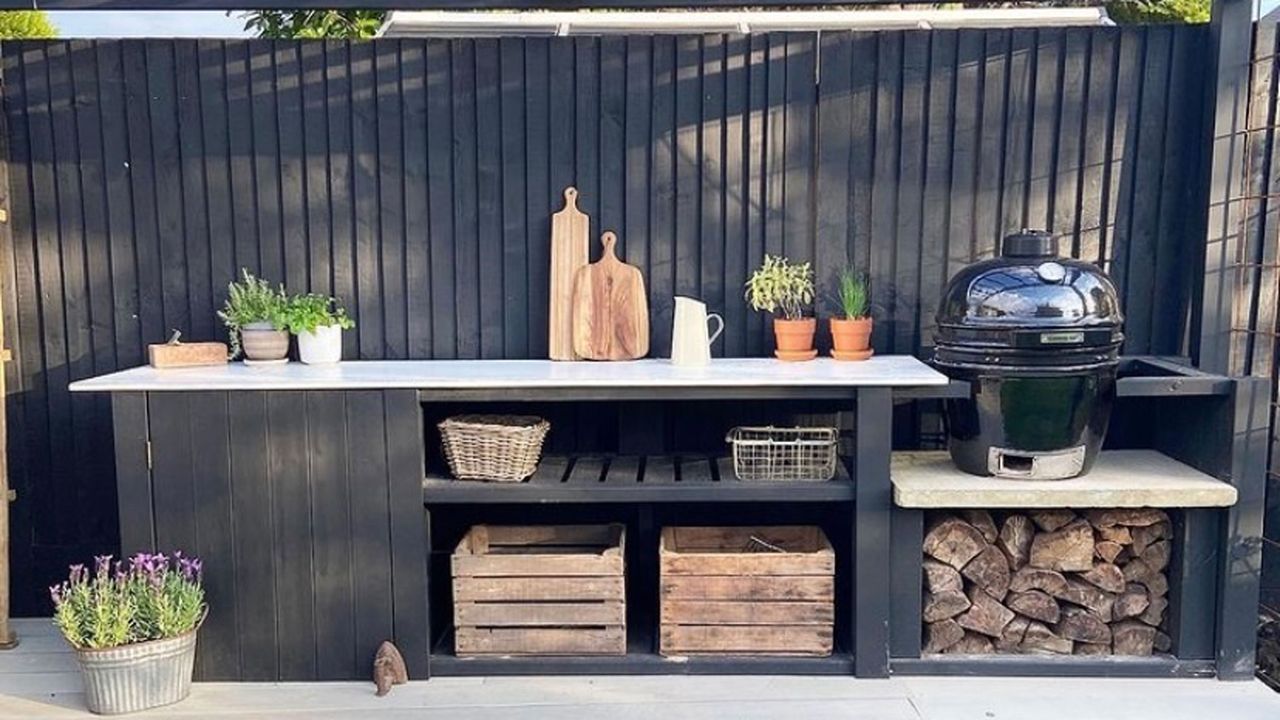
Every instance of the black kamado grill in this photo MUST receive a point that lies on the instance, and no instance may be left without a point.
(1037, 337)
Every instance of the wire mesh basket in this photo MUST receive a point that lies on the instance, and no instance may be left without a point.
(774, 453)
(502, 448)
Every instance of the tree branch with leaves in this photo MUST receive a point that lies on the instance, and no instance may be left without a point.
(287, 24)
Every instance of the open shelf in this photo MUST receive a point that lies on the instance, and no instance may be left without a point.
(629, 478)
(1120, 478)
(1052, 666)
(444, 663)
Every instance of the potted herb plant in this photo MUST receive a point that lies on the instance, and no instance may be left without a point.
(785, 289)
(255, 315)
(318, 322)
(133, 626)
(851, 334)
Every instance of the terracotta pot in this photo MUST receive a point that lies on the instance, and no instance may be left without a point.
(851, 339)
(262, 342)
(795, 338)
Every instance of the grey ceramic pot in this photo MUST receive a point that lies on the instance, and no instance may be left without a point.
(261, 341)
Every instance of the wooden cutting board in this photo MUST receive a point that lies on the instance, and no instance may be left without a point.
(570, 230)
(610, 313)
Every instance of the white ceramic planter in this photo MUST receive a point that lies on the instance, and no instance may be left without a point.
(320, 347)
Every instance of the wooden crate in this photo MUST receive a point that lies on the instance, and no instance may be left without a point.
(729, 591)
(528, 590)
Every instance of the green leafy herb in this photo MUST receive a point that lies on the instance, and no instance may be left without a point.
(853, 294)
(252, 300)
(781, 288)
(308, 312)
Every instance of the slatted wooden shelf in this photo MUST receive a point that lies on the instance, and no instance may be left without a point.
(630, 478)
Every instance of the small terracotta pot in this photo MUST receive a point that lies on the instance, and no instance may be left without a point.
(851, 339)
(795, 338)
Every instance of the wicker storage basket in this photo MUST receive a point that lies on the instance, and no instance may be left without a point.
(502, 448)
(773, 453)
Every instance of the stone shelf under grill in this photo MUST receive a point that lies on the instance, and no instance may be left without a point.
(1120, 478)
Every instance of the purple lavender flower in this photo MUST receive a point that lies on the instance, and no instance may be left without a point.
(77, 573)
(189, 568)
(55, 592)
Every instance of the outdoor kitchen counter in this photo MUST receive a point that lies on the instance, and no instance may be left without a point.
(727, 374)
(306, 490)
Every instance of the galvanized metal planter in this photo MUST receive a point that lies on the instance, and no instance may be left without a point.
(139, 676)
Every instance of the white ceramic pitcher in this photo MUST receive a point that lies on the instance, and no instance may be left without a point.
(690, 335)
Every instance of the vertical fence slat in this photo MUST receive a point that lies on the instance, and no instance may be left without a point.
(1070, 140)
(488, 220)
(835, 128)
(265, 138)
(294, 239)
(417, 260)
(367, 272)
(1097, 133)
(884, 187)
(516, 296)
(661, 278)
(465, 238)
(390, 170)
(315, 152)
(711, 237)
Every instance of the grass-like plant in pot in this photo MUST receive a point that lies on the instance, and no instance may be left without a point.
(785, 289)
(133, 626)
(851, 334)
(255, 315)
(318, 322)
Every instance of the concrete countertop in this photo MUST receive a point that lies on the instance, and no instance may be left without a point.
(881, 371)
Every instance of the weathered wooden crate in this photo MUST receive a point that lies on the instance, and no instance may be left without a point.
(529, 590)
(746, 591)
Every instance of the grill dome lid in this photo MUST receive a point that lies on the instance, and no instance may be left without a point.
(1030, 298)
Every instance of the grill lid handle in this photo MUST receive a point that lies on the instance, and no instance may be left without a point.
(1029, 243)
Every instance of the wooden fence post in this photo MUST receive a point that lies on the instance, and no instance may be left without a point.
(8, 638)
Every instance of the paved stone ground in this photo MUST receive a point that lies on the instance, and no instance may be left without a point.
(40, 680)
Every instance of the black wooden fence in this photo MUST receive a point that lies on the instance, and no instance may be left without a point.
(414, 179)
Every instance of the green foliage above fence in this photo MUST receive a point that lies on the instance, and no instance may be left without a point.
(284, 24)
(20, 24)
(1159, 11)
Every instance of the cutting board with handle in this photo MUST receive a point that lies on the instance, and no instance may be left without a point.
(610, 312)
(570, 233)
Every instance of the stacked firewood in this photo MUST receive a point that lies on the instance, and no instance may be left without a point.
(1047, 581)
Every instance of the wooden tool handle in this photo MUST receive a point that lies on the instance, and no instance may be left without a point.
(571, 197)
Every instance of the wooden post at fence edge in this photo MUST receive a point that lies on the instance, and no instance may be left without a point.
(8, 638)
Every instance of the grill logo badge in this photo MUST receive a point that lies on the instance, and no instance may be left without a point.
(1061, 338)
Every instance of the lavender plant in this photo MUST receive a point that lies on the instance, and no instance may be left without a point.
(150, 597)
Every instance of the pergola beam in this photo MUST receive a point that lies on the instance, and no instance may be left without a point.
(410, 4)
